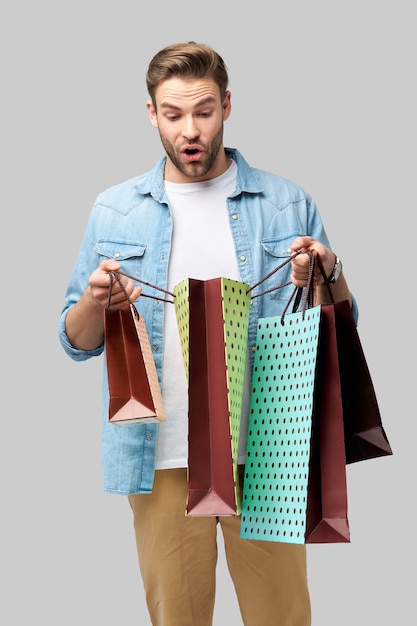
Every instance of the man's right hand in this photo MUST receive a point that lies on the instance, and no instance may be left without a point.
(121, 292)
(84, 323)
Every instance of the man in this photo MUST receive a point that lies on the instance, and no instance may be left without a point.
(202, 212)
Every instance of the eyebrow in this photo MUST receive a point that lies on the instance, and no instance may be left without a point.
(169, 105)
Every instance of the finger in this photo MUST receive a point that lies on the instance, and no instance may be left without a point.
(135, 293)
(109, 265)
(301, 243)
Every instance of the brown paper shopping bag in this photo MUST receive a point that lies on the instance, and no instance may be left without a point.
(327, 498)
(134, 391)
(365, 436)
(213, 324)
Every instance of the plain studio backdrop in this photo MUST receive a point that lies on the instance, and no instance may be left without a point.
(322, 93)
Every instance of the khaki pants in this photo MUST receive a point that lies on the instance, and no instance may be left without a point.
(177, 559)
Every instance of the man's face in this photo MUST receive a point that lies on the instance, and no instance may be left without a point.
(189, 116)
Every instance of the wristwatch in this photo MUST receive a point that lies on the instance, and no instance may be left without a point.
(336, 271)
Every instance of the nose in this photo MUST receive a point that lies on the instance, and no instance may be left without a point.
(190, 130)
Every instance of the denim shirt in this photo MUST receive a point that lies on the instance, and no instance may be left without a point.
(131, 222)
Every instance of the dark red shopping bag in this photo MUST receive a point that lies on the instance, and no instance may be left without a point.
(134, 390)
(327, 501)
(213, 323)
(365, 436)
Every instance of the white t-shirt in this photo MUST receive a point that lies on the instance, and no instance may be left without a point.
(202, 248)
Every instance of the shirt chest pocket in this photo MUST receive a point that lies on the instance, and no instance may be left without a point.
(275, 252)
(129, 254)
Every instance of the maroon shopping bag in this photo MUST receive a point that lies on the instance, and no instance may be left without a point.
(346, 422)
(134, 391)
(365, 436)
(213, 323)
(327, 499)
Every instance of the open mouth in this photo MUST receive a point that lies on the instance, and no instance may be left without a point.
(192, 153)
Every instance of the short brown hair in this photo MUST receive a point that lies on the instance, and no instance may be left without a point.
(193, 60)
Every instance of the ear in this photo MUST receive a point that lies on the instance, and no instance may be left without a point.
(227, 105)
(152, 113)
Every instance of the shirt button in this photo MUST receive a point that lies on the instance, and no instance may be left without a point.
(116, 256)
(234, 217)
(242, 258)
(149, 437)
(156, 347)
(253, 348)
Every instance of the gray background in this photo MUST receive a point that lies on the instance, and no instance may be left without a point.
(323, 93)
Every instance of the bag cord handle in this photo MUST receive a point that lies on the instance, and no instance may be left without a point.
(304, 294)
(115, 275)
(299, 294)
(323, 273)
(308, 290)
(290, 258)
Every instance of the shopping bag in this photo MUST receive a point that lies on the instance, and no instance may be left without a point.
(365, 436)
(295, 474)
(327, 498)
(134, 391)
(213, 320)
(294, 487)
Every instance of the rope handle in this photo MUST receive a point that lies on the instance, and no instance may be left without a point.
(296, 294)
(290, 258)
(299, 295)
(115, 275)
(308, 290)
(323, 273)
(304, 294)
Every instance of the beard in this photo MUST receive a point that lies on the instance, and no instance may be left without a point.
(194, 169)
